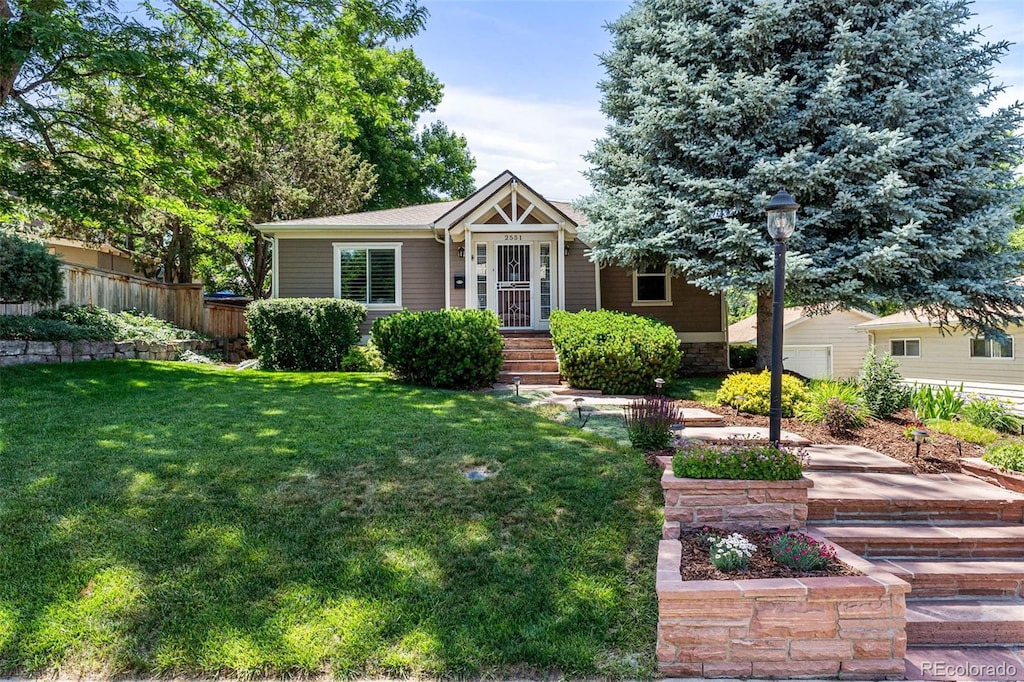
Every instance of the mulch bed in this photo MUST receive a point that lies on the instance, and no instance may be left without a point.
(696, 562)
(940, 454)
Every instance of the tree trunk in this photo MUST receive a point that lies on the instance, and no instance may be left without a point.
(764, 329)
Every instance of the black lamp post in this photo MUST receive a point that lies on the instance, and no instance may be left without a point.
(781, 223)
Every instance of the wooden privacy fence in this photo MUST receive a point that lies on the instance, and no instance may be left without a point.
(223, 320)
(181, 304)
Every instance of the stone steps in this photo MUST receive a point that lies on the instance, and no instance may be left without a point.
(532, 358)
(930, 541)
(958, 577)
(850, 458)
(840, 497)
(965, 621)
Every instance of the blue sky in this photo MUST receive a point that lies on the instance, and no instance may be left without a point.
(521, 79)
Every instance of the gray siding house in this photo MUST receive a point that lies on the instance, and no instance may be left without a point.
(504, 248)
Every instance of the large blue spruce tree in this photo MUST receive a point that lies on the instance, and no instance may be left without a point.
(875, 114)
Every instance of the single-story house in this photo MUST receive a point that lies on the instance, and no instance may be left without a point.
(927, 356)
(815, 346)
(504, 248)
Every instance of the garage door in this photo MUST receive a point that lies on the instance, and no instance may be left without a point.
(813, 362)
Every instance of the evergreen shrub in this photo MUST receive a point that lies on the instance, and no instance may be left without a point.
(751, 393)
(363, 359)
(28, 272)
(742, 355)
(445, 349)
(91, 323)
(737, 460)
(884, 392)
(614, 352)
(1006, 456)
(303, 333)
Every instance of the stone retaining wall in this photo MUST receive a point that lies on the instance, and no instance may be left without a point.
(850, 626)
(27, 352)
(734, 505)
(704, 358)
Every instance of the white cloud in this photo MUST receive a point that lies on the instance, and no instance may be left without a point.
(541, 142)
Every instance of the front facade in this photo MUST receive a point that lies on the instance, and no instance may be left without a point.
(505, 248)
(989, 367)
(818, 346)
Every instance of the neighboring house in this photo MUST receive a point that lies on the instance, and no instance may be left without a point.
(926, 356)
(817, 347)
(99, 256)
(504, 248)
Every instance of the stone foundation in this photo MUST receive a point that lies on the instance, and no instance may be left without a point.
(704, 358)
(853, 627)
(28, 352)
(734, 505)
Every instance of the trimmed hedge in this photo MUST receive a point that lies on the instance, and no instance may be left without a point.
(614, 352)
(304, 333)
(444, 349)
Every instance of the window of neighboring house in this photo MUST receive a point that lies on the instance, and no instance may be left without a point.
(905, 348)
(989, 348)
(652, 286)
(370, 274)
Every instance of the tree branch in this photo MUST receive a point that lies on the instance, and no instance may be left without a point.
(38, 120)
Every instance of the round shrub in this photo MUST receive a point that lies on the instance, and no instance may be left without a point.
(304, 333)
(28, 272)
(742, 355)
(839, 405)
(363, 359)
(752, 392)
(444, 349)
(614, 352)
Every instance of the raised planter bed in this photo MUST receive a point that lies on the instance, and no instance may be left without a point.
(848, 626)
(976, 466)
(734, 504)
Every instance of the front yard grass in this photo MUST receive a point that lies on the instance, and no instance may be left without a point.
(174, 519)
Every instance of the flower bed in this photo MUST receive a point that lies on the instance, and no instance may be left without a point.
(854, 626)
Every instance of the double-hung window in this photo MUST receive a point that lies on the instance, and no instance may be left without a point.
(990, 348)
(905, 348)
(652, 285)
(369, 273)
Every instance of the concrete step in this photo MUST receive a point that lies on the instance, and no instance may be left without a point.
(929, 540)
(532, 378)
(521, 366)
(527, 342)
(537, 354)
(958, 577)
(842, 457)
(695, 416)
(965, 621)
(853, 497)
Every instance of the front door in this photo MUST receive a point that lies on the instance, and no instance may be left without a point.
(514, 285)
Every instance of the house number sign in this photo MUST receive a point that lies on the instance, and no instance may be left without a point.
(513, 237)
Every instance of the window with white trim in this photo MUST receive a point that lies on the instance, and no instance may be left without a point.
(990, 348)
(905, 348)
(369, 273)
(652, 285)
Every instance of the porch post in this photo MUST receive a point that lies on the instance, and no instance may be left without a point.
(470, 258)
(561, 266)
(447, 270)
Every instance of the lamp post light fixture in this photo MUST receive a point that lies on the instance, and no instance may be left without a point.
(579, 406)
(659, 385)
(517, 381)
(781, 224)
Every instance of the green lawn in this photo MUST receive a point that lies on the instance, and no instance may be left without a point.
(701, 389)
(168, 518)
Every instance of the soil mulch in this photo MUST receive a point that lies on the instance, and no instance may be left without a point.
(696, 561)
(941, 454)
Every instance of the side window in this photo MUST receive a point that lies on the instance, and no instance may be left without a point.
(652, 285)
(905, 348)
